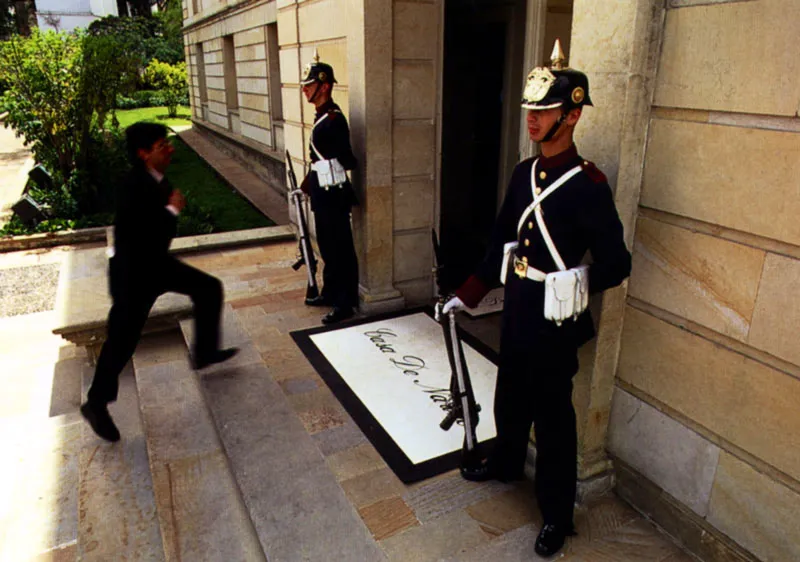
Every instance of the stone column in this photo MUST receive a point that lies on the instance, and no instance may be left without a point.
(617, 44)
(370, 65)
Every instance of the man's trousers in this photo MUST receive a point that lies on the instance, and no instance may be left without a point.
(532, 389)
(335, 239)
(133, 295)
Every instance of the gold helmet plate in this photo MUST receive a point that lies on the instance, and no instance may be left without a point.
(538, 84)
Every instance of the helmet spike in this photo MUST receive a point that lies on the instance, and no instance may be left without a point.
(557, 59)
(316, 55)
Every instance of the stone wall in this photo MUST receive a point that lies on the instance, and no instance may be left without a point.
(705, 405)
(238, 101)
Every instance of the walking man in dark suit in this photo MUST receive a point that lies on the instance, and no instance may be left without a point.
(142, 269)
(331, 194)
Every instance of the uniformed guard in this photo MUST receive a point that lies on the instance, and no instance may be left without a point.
(331, 193)
(557, 207)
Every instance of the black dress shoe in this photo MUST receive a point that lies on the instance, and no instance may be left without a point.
(480, 473)
(338, 314)
(485, 472)
(101, 422)
(204, 360)
(551, 538)
(319, 300)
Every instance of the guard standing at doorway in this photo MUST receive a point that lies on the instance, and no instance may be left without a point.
(331, 194)
(558, 206)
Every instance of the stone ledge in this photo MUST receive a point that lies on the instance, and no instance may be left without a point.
(179, 245)
(50, 239)
(83, 302)
(237, 238)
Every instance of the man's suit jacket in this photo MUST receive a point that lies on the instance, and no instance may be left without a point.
(143, 230)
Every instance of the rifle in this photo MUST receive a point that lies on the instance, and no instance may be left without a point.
(461, 407)
(306, 253)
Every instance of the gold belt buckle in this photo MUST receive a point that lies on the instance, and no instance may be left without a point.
(520, 268)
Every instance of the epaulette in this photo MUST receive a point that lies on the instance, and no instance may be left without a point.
(594, 172)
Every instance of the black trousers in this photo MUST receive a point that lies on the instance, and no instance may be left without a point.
(335, 239)
(531, 389)
(133, 295)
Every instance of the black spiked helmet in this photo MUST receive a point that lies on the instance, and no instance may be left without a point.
(557, 86)
(317, 71)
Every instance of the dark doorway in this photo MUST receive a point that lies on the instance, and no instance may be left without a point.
(476, 45)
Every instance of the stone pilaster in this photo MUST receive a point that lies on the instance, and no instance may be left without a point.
(370, 68)
(617, 45)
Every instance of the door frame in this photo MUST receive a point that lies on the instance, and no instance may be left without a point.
(535, 17)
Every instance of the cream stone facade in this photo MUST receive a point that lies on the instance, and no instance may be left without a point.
(689, 393)
(708, 378)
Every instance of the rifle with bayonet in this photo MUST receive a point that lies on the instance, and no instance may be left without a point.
(461, 406)
(306, 253)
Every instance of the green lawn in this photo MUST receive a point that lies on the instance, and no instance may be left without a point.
(158, 114)
(203, 189)
(209, 199)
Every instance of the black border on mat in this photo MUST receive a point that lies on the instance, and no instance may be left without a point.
(379, 437)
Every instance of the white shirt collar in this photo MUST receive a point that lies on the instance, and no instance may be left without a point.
(158, 176)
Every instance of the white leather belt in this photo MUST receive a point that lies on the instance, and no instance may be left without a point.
(523, 270)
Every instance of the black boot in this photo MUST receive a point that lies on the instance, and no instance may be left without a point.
(101, 422)
(551, 538)
(200, 361)
(319, 300)
(338, 314)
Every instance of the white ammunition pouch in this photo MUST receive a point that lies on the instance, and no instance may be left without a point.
(330, 173)
(566, 292)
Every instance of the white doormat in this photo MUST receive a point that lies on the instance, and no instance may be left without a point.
(392, 375)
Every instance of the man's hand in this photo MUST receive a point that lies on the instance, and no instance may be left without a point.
(176, 200)
(455, 304)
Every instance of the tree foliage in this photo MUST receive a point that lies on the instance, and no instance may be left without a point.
(170, 80)
(147, 38)
(61, 87)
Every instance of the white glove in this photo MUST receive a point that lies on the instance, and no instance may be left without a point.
(454, 304)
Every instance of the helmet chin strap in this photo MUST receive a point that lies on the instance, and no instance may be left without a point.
(555, 127)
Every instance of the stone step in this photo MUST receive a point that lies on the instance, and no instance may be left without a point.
(296, 505)
(199, 507)
(116, 506)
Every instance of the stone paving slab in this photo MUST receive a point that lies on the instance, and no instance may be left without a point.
(636, 542)
(455, 532)
(516, 545)
(438, 498)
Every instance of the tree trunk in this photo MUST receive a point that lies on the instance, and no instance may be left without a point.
(122, 8)
(141, 8)
(25, 15)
